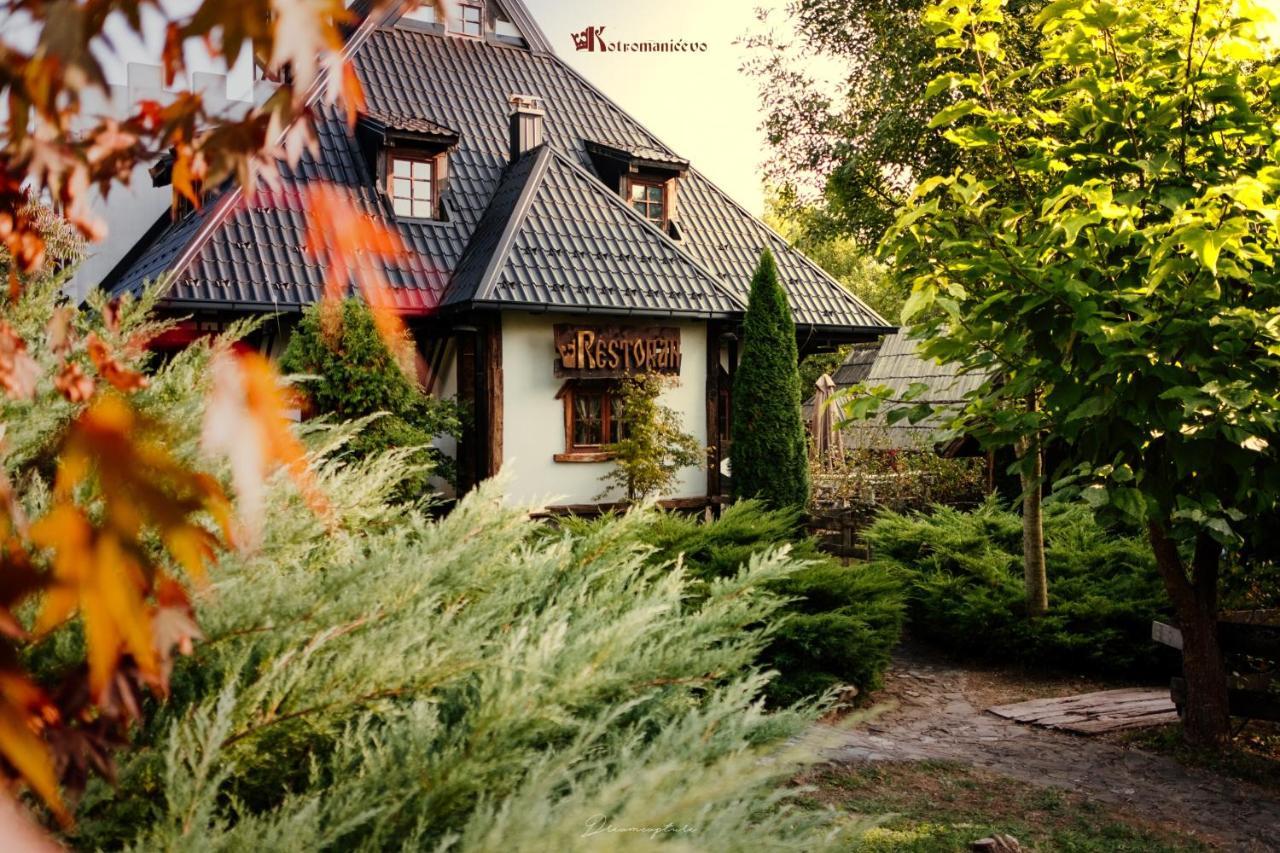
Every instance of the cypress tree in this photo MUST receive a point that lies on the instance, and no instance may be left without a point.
(769, 456)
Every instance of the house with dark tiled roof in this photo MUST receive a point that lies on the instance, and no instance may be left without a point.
(557, 245)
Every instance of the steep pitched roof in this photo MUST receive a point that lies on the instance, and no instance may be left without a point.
(555, 236)
(465, 83)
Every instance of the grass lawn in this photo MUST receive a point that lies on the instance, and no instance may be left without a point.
(1253, 755)
(932, 806)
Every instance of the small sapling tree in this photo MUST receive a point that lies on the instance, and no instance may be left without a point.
(653, 446)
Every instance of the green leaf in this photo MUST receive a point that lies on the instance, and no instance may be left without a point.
(973, 137)
(1206, 245)
(1095, 496)
(1130, 502)
(943, 83)
(1073, 223)
(919, 300)
(950, 115)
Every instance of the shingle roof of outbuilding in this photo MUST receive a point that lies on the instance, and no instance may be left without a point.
(898, 366)
(253, 258)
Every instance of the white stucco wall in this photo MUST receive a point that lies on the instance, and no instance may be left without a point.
(533, 419)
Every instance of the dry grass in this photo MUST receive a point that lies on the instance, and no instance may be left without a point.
(934, 806)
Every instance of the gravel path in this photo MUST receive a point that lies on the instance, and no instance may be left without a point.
(939, 716)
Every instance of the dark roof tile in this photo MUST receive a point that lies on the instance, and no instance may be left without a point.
(465, 84)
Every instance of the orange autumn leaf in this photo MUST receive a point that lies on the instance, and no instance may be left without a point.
(60, 330)
(247, 420)
(102, 570)
(72, 382)
(95, 574)
(23, 747)
(110, 369)
(171, 58)
(19, 372)
(352, 96)
(355, 249)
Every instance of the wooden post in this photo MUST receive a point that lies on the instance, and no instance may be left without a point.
(493, 385)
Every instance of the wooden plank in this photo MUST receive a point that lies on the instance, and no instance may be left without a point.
(469, 475)
(1166, 635)
(1059, 703)
(1110, 724)
(714, 451)
(1161, 705)
(1092, 713)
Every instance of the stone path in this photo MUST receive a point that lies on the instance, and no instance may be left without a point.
(938, 717)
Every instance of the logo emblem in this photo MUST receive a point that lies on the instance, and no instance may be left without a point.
(590, 39)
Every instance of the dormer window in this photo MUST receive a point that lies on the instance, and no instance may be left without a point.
(649, 198)
(647, 178)
(412, 186)
(471, 20)
(409, 155)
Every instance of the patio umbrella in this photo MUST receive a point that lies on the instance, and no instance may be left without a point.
(827, 444)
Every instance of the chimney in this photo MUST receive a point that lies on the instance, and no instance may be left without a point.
(527, 113)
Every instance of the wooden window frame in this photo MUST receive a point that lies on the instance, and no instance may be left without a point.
(573, 452)
(666, 199)
(433, 200)
(462, 21)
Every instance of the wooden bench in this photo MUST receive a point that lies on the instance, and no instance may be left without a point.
(1250, 641)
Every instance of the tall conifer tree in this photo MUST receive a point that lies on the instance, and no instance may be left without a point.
(769, 455)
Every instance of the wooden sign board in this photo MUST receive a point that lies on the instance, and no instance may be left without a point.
(613, 351)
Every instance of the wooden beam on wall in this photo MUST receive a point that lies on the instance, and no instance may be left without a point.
(493, 383)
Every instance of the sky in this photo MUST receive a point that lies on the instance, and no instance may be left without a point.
(699, 104)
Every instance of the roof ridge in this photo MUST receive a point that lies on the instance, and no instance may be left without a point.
(613, 198)
(537, 173)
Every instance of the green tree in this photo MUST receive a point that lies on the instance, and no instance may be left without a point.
(654, 446)
(1119, 267)
(357, 375)
(863, 146)
(857, 143)
(769, 454)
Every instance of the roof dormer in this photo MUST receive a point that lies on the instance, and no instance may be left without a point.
(647, 178)
(409, 159)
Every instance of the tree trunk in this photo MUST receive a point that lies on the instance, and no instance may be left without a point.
(1206, 717)
(1033, 567)
(1035, 578)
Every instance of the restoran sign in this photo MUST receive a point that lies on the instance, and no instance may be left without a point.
(612, 351)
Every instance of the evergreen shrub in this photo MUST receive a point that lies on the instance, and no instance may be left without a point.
(769, 459)
(963, 573)
(355, 375)
(841, 622)
(377, 680)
